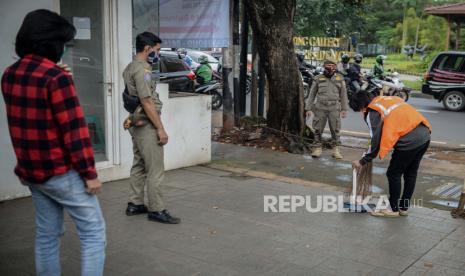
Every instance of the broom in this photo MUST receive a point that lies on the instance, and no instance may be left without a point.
(365, 180)
(460, 212)
(361, 188)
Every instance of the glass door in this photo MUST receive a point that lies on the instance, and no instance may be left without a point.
(88, 56)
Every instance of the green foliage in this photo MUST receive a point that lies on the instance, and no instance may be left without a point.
(400, 63)
(374, 21)
(328, 18)
(433, 32)
(415, 85)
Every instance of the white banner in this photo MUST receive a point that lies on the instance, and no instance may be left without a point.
(194, 23)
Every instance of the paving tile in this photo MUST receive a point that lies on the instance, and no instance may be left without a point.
(382, 272)
(458, 234)
(415, 271)
(446, 259)
(341, 266)
(384, 259)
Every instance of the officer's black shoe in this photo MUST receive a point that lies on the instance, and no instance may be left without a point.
(134, 209)
(163, 217)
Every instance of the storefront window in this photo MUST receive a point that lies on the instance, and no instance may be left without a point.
(145, 18)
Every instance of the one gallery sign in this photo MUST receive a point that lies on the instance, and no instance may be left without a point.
(194, 23)
(321, 48)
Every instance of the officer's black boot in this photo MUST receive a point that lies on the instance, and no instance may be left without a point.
(134, 209)
(163, 217)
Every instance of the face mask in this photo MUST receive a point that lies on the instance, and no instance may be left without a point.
(152, 57)
(329, 71)
(358, 61)
(63, 54)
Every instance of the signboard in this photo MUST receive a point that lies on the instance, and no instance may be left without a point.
(194, 23)
(321, 48)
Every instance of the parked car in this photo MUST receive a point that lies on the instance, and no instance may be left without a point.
(173, 70)
(445, 80)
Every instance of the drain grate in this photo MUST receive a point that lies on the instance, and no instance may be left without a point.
(449, 190)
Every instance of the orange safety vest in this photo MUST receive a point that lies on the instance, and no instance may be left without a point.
(399, 118)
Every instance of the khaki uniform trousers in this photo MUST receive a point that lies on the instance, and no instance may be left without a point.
(148, 168)
(327, 112)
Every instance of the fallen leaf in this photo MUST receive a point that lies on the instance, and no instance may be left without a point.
(428, 264)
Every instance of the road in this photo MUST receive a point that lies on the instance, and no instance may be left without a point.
(448, 127)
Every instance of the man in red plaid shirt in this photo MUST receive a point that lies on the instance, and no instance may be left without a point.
(52, 144)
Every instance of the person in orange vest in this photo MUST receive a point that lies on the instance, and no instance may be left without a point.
(394, 124)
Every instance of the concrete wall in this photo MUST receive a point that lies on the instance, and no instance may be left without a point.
(188, 123)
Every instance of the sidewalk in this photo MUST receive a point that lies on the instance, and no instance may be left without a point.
(224, 231)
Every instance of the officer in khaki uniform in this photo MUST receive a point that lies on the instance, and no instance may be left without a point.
(328, 102)
(148, 134)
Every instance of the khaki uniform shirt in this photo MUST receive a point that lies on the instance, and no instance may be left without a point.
(328, 93)
(139, 81)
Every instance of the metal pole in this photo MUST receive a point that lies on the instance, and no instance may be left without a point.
(261, 88)
(236, 41)
(254, 84)
(243, 59)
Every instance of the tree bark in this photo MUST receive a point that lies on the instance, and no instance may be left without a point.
(416, 35)
(404, 27)
(272, 25)
(448, 34)
(457, 39)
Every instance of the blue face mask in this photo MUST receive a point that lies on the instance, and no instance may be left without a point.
(152, 57)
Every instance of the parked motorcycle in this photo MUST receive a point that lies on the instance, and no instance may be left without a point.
(211, 88)
(308, 73)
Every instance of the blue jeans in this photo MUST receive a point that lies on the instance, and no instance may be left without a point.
(67, 192)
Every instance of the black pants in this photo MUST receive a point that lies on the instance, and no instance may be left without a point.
(406, 164)
(356, 86)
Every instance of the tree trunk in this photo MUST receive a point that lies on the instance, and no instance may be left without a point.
(404, 27)
(272, 25)
(448, 34)
(416, 36)
(457, 39)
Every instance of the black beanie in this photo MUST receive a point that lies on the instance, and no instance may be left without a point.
(44, 33)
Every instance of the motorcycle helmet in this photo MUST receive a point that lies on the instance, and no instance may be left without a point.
(203, 59)
(345, 58)
(358, 58)
(182, 51)
(380, 59)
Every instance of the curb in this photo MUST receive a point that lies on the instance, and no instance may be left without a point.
(276, 177)
(433, 144)
(419, 95)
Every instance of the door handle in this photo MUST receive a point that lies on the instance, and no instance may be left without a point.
(109, 88)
